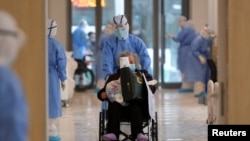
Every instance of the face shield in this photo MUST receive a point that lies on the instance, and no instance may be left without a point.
(83, 24)
(121, 26)
(182, 21)
(206, 32)
(11, 39)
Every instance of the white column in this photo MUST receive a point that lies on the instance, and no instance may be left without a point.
(119, 7)
(213, 15)
(198, 13)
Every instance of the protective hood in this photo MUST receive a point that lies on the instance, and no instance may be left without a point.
(52, 28)
(206, 32)
(121, 26)
(11, 38)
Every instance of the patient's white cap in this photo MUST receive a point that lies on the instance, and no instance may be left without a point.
(124, 62)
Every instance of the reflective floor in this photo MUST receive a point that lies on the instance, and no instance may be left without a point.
(180, 117)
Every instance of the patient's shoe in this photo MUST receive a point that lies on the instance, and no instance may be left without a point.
(109, 137)
(141, 137)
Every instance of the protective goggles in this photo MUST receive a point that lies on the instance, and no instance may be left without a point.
(120, 24)
(8, 33)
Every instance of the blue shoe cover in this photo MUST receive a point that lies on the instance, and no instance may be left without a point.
(202, 94)
(96, 90)
(54, 138)
(186, 90)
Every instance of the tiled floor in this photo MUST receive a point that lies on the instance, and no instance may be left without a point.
(180, 117)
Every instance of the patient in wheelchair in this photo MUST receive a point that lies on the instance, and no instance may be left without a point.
(135, 111)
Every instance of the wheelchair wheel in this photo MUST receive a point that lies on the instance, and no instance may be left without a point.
(102, 124)
(86, 80)
(101, 127)
(154, 129)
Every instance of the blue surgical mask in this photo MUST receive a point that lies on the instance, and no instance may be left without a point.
(121, 33)
(93, 40)
(132, 67)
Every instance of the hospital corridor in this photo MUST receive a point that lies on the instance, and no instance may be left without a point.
(124, 70)
(180, 117)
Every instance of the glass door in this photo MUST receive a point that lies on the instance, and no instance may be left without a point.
(142, 25)
(96, 13)
(96, 16)
(171, 76)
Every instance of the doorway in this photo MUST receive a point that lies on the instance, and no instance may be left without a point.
(163, 52)
(171, 11)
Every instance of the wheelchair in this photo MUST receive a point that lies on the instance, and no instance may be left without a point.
(84, 75)
(150, 127)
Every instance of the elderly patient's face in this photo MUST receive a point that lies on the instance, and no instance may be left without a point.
(131, 59)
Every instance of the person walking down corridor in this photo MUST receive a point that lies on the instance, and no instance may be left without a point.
(120, 41)
(135, 110)
(80, 42)
(80, 45)
(107, 31)
(200, 52)
(57, 76)
(13, 105)
(185, 38)
(91, 43)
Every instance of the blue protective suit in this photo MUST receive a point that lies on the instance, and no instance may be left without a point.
(80, 43)
(103, 37)
(185, 38)
(200, 46)
(113, 47)
(57, 73)
(13, 108)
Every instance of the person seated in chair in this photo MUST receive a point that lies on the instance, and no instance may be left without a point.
(136, 111)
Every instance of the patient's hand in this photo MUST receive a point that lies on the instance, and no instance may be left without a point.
(104, 95)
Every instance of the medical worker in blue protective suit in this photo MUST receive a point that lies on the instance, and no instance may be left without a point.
(185, 38)
(120, 41)
(107, 31)
(57, 77)
(13, 104)
(80, 42)
(80, 45)
(200, 52)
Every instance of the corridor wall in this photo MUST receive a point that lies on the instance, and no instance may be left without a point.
(60, 10)
(31, 62)
(199, 13)
(230, 20)
(238, 62)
